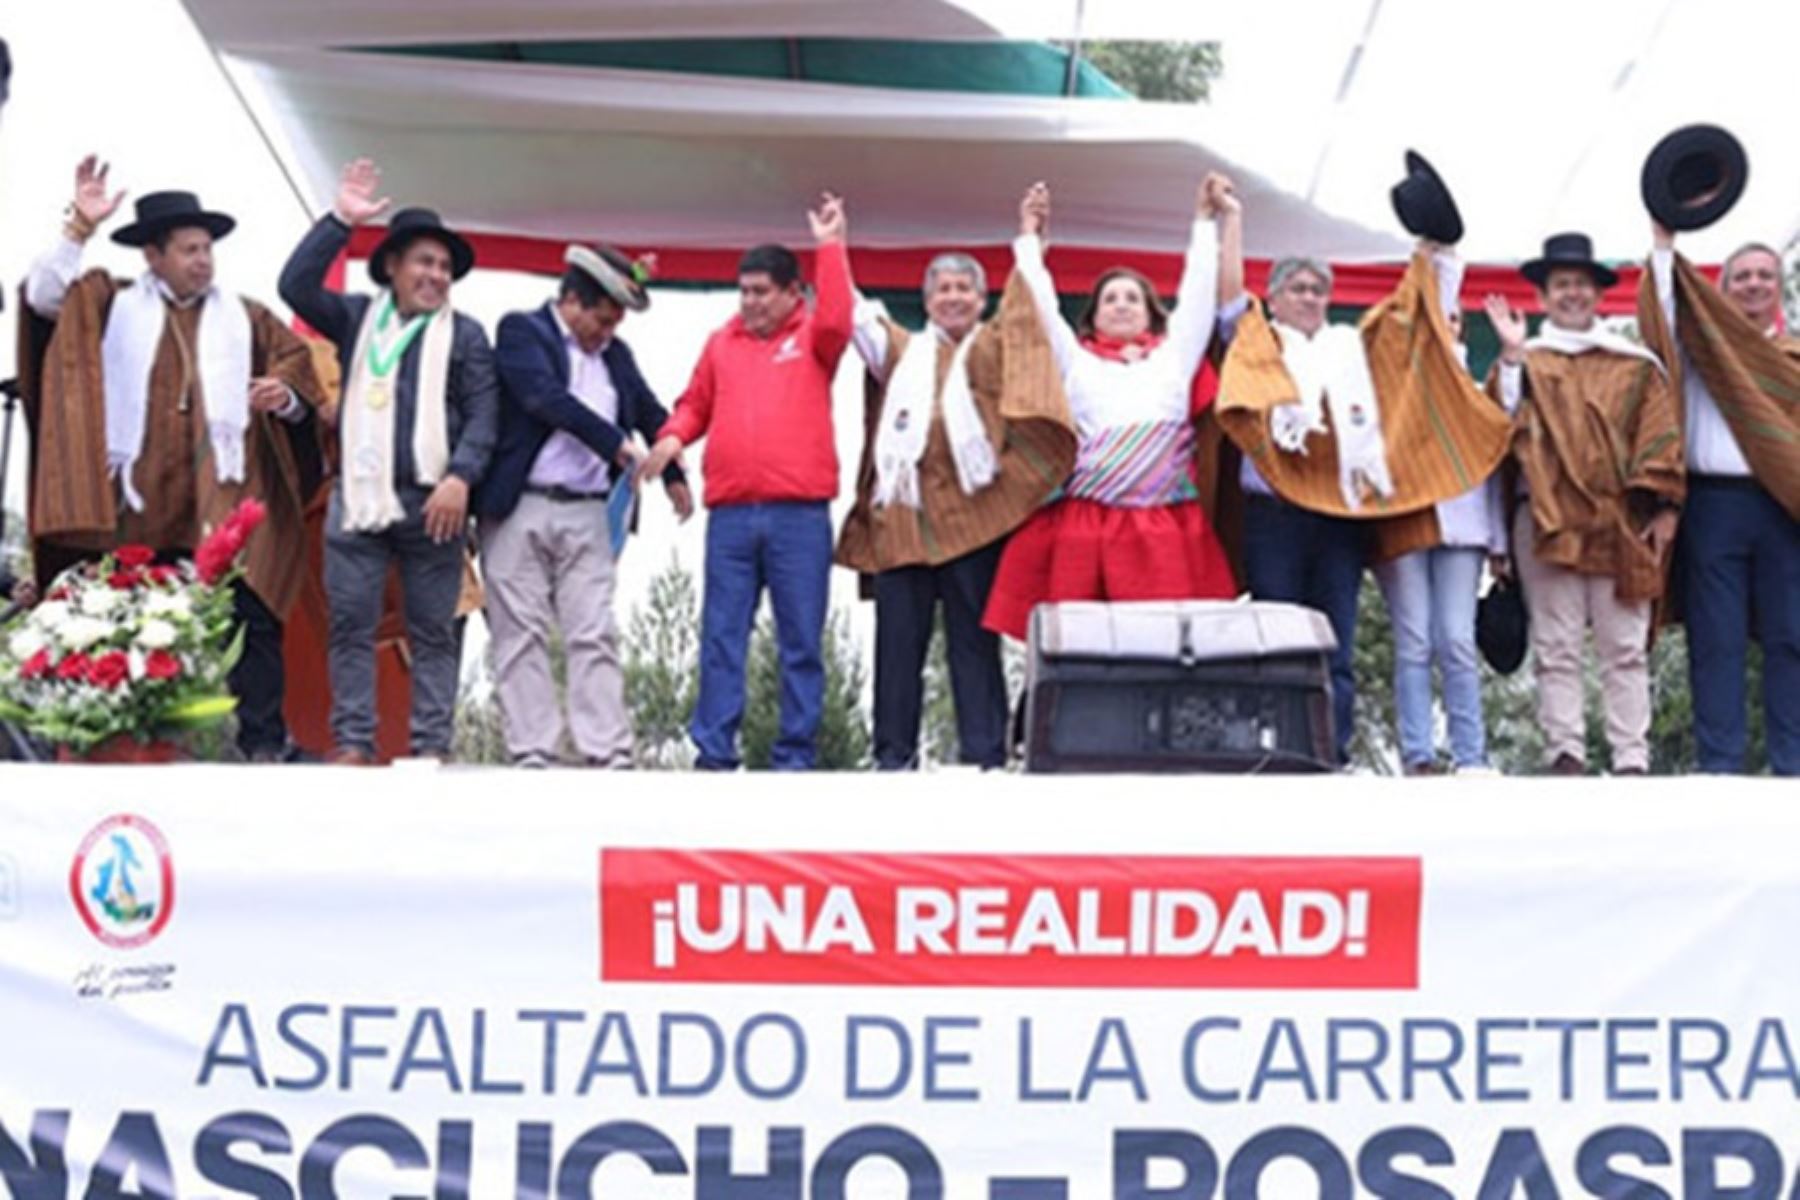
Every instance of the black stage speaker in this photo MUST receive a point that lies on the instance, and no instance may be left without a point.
(1191, 685)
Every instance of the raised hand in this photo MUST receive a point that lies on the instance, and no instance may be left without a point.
(1218, 197)
(357, 187)
(1509, 326)
(91, 199)
(1034, 210)
(829, 222)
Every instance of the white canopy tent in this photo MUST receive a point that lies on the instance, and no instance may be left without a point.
(1539, 113)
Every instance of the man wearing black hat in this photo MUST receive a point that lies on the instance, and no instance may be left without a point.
(571, 396)
(416, 425)
(1598, 449)
(162, 402)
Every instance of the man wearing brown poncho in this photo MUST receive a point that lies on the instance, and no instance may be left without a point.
(1738, 572)
(161, 403)
(1597, 448)
(966, 432)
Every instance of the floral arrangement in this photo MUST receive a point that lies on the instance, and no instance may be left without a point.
(128, 647)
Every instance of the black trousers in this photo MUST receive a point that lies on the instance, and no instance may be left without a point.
(905, 600)
(259, 681)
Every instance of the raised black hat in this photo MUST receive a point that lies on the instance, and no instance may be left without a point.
(1424, 205)
(1694, 176)
(1568, 250)
(158, 212)
(406, 227)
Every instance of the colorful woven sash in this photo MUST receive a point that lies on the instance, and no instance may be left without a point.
(1136, 466)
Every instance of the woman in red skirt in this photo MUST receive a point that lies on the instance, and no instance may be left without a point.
(1128, 524)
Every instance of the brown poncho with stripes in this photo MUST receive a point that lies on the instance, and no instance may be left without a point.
(1020, 399)
(74, 501)
(1597, 441)
(1442, 435)
(1753, 378)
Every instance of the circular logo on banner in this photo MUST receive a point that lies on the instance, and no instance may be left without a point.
(123, 881)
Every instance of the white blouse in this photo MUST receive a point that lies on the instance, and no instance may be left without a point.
(1104, 393)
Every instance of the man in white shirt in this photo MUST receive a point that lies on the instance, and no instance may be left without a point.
(570, 398)
(1739, 558)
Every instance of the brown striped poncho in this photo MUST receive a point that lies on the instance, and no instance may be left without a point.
(1597, 440)
(1020, 398)
(1754, 379)
(1443, 436)
(74, 502)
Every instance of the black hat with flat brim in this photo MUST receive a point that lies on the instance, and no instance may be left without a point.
(1694, 176)
(1424, 204)
(408, 226)
(159, 212)
(1568, 250)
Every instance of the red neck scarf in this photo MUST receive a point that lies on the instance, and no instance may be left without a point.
(1206, 379)
(1122, 349)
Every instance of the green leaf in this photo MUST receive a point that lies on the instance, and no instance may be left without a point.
(203, 711)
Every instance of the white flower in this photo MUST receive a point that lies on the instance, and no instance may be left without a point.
(134, 659)
(156, 635)
(78, 633)
(168, 604)
(99, 600)
(50, 615)
(28, 641)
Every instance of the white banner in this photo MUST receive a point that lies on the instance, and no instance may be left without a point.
(482, 985)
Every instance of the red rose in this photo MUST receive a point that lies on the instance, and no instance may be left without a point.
(58, 594)
(222, 546)
(109, 670)
(74, 667)
(163, 576)
(124, 581)
(161, 665)
(35, 667)
(134, 556)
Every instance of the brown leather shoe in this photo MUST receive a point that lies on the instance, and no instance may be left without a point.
(349, 756)
(1568, 764)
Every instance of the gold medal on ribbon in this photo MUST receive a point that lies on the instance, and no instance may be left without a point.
(378, 393)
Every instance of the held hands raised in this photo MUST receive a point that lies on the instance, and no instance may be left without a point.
(829, 221)
(357, 187)
(1509, 326)
(91, 199)
(1218, 198)
(1034, 211)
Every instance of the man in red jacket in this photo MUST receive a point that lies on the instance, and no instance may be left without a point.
(761, 396)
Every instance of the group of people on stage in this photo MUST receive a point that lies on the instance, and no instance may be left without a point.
(1226, 445)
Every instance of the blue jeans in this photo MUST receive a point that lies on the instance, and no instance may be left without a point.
(1304, 557)
(786, 548)
(1740, 570)
(1431, 602)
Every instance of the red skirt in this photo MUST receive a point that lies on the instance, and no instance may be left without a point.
(1083, 550)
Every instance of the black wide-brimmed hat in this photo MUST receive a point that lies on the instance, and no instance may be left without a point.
(1502, 627)
(1568, 250)
(1424, 205)
(1694, 176)
(159, 212)
(409, 225)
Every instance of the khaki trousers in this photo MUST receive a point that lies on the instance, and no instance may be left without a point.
(1563, 606)
(547, 566)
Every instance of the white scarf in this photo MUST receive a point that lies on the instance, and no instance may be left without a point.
(1330, 368)
(370, 502)
(134, 332)
(906, 422)
(1595, 337)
